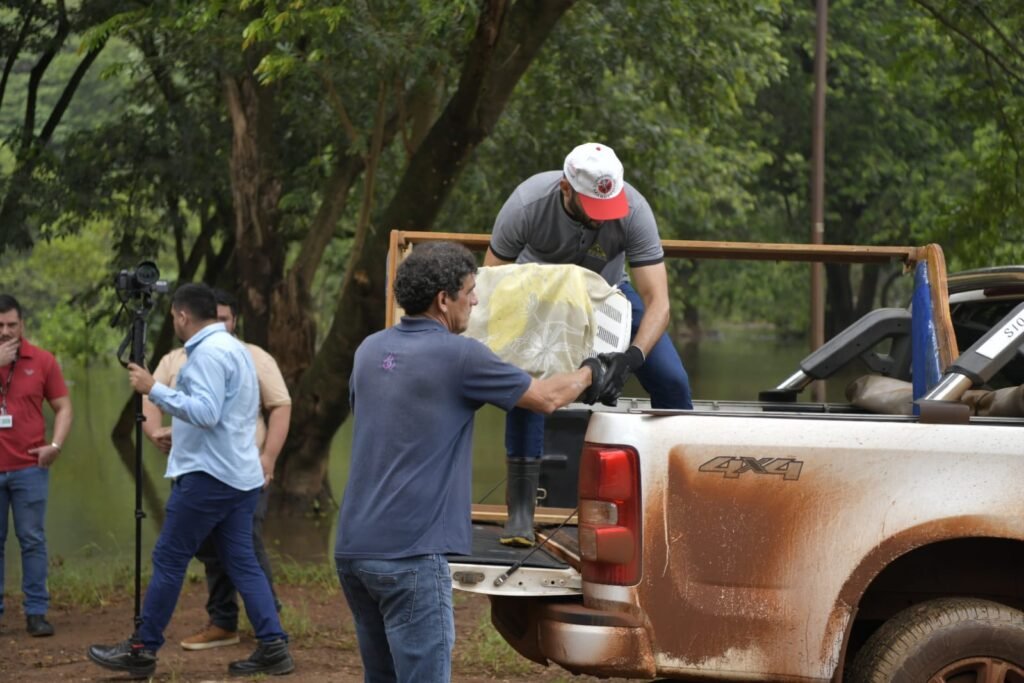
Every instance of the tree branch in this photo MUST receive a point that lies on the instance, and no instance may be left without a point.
(945, 21)
(36, 76)
(343, 175)
(69, 91)
(339, 107)
(335, 193)
(998, 31)
(372, 159)
(16, 46)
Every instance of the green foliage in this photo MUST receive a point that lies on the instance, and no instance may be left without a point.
(748, 292)
(96, 37)
(979, 218)
(675, 114)
(65, 287)
(708, 104)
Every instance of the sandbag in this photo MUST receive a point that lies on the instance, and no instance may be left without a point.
(889, 396)
(547, 318)
(1008, 402)
(883, 395)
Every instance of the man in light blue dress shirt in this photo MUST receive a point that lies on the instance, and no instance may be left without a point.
(217, 476)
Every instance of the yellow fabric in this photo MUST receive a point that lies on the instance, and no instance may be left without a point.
(541, 317)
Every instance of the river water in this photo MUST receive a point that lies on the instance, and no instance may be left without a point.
(91, 514)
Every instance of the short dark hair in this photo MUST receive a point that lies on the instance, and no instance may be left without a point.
(9, 303)
(225, 298)
(197, 299)
(432, 267)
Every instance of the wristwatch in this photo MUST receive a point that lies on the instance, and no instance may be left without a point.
(55, 445)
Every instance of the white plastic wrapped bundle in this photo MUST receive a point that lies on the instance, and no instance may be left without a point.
(547, 318)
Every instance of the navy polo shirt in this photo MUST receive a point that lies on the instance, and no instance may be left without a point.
(414, 390)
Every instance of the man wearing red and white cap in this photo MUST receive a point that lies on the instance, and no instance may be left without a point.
(588, 215)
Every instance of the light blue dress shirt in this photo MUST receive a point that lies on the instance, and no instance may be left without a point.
(214, 410)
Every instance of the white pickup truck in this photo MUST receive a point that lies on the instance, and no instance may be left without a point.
(781, 540)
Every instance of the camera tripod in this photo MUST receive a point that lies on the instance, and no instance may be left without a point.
(136, 340)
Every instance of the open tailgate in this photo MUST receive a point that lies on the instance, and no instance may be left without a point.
(550, 568)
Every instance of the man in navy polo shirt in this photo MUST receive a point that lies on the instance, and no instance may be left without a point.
(414, 391)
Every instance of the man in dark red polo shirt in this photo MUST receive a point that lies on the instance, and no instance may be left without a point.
(28, 375)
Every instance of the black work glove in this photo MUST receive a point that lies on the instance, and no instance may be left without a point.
(597, 373)
(620, 367)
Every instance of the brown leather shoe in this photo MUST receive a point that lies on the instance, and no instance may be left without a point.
(210, 637)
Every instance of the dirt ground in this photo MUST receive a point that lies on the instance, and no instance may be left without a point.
(320, 626)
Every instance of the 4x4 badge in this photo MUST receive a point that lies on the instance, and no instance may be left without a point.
(731, 468)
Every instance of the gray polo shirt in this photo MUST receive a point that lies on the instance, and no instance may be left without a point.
(533, 227)
(415, 389)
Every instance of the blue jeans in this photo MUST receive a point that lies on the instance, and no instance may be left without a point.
(24, 492)
(662, 375)
(200, 506)
(221, 605)
(403, 614)
(524, 433)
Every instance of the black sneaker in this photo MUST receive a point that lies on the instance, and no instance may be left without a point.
(37, 625)
(269, 658)
(129, 656)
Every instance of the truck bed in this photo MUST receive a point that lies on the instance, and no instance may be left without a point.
(550, 568)
(487, 550)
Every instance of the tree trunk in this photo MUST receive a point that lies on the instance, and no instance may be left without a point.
(506, 41)
(838, 298)
(843, 307)
(256, 191)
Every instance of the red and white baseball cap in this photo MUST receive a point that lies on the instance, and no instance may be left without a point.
(595, 173)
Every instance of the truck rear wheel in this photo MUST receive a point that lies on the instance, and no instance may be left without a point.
(948, 640)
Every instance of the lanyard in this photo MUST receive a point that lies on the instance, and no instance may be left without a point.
(6, 388)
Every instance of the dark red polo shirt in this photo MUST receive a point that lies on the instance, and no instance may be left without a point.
(36, 377)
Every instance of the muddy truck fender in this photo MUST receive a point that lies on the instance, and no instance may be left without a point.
(769, 546)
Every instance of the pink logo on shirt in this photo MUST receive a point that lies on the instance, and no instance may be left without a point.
(388, 363)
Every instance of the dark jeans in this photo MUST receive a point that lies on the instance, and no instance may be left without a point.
(24, 493)
(662, 375)
(221, 604)
(403, 615)
(201, 506)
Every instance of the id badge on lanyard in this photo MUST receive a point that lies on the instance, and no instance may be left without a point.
(6, 420)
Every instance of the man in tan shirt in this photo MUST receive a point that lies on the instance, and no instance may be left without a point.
(221, 605)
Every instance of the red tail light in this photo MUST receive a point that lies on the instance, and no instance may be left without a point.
(610, 514)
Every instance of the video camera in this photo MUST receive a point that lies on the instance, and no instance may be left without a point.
(135, 290)
(145, 279)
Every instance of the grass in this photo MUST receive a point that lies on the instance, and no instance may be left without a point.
(487, 652)
(91, 585)
(319, 575)
(296, 622)
(98, 583)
